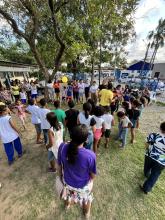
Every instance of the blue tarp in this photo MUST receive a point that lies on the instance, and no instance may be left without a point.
(139, 65)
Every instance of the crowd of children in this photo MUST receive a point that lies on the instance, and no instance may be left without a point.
(55, 124)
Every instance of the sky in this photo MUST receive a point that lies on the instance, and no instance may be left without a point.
(146, 19)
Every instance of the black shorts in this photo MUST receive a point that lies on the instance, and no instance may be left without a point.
(57, 90)
(107, 133)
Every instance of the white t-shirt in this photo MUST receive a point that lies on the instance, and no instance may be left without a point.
(7, 133)
(125, 121)
(84, 121)
(81, 87)
(22, 95)
(108, 118)
(86, 85)
(33, 109)
(93, 89)
(99, 122)
(33, 90)
(58, 139)
(41, 113)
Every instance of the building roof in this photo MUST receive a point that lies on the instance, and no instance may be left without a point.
(139, 66)
(15, 64)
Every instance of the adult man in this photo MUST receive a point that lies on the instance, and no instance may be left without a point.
(106, 96)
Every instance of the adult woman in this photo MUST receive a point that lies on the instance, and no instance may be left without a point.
(79, 169)
(86, 119)
(154, 158)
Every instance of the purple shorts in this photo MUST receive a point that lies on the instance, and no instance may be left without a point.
(23, 101)
(34, 96)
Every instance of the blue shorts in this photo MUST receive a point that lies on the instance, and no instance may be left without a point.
(134, 123)
(34, 96)
(38, 128)
(50, 156)
(23, 101)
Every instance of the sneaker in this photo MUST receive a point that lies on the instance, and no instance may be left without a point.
(11, 162)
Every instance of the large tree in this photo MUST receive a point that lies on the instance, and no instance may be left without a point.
(64, 30)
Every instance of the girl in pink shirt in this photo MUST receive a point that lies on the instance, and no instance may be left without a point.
(21, 112)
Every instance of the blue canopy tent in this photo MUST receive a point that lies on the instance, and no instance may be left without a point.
(139, 66)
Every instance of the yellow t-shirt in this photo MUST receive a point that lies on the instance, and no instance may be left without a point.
(15, 90)
(106, 97)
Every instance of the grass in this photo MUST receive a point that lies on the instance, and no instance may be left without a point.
(160, 104)
(28, 191)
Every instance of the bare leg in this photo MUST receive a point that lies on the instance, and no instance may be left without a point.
(86, 209)
(132, 135)
(95, 145)
(52, 165)
(106, 142)
(38, 138)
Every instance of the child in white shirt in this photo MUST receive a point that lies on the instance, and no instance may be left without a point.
(108, 122)
(100, 126)
(33, 110)
(42, 112)
(9, 135)
(23, 96)
(124, 124)
(55, 139)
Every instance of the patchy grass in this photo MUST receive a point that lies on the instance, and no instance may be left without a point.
(28, 193)
(160, 104)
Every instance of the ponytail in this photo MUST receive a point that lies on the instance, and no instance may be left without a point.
(72, 152)
(87, 109)
(86, 114)
(78, 136)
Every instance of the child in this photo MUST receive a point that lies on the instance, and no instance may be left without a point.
(41, 113)
(23, 96)
(100, 126)
(59, 112)
(64, 93)
(21, 112)
(33, 109)
(109, 122)
(86, 119)
(134, 114)
(124, 124)
(71, 116)
(69, 92)
(9, 135)
(55, 139)
(34, 93)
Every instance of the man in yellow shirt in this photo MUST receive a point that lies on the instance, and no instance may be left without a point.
(106, 96)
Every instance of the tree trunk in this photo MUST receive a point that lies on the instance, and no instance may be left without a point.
(92, 76)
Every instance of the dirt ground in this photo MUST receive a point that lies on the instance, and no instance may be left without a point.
(151, 118)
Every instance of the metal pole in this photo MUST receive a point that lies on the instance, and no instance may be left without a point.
(146, 55)
(100, 62)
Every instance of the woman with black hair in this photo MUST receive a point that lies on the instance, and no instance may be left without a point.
(55, 135)
(86, 119)
(79, 170)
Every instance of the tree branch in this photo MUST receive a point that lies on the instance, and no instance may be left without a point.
(28, 6)
(13, 24)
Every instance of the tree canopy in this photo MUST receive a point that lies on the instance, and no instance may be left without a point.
(66, 30)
